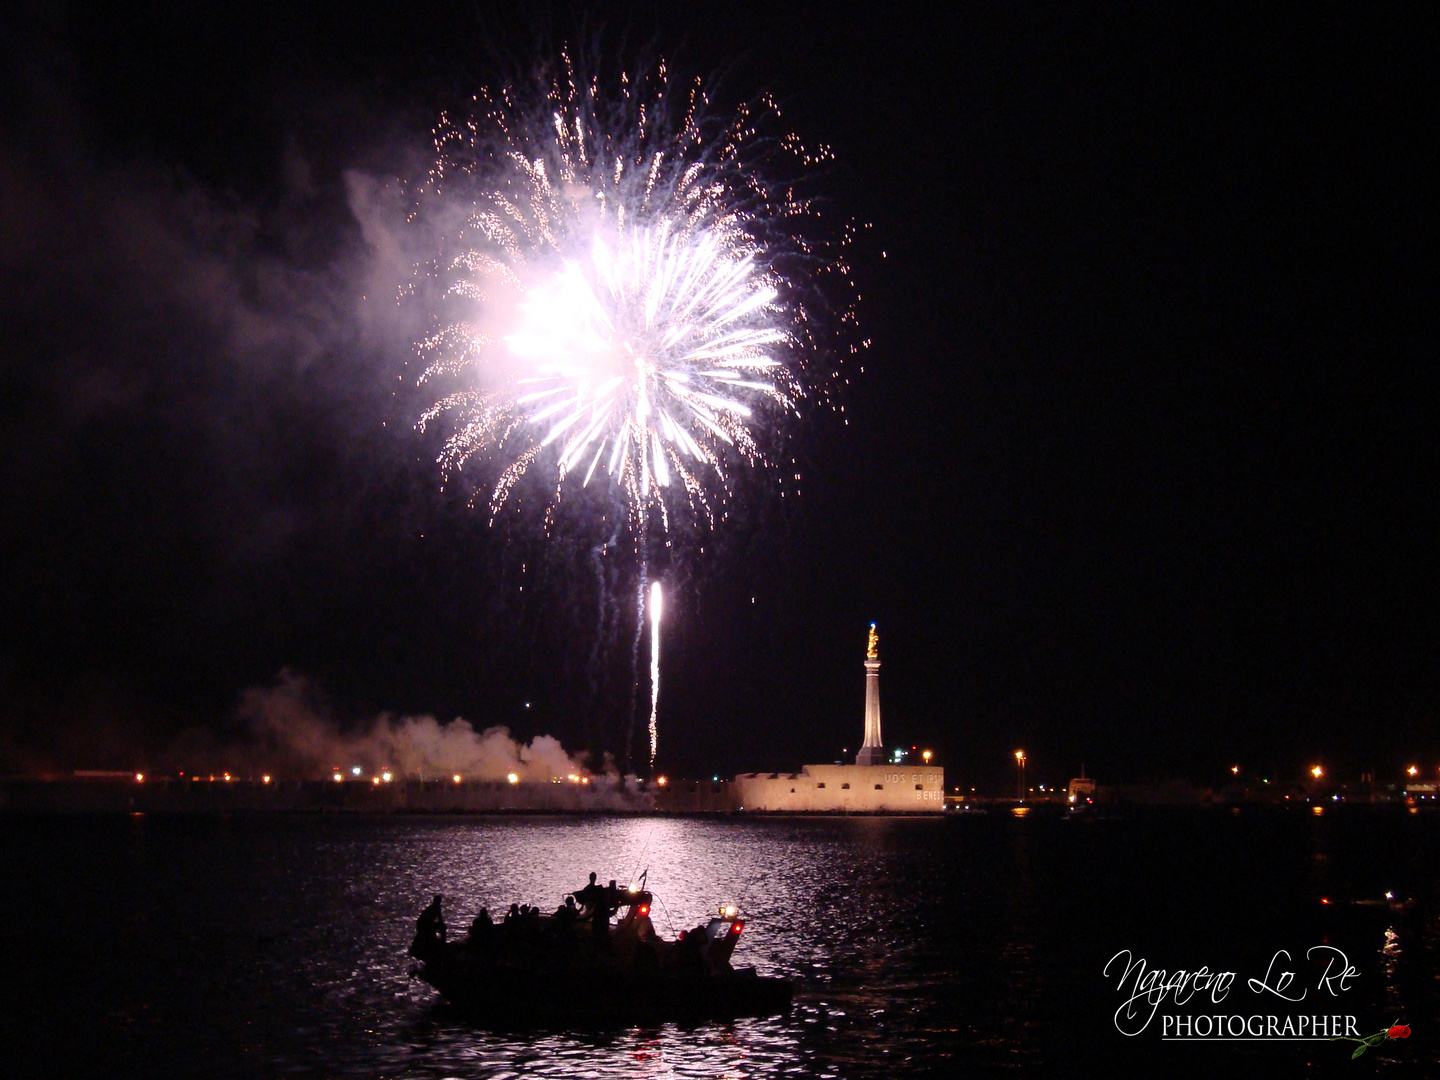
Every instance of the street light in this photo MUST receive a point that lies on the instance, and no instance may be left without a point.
(1317, 772)
(1020, 789)
(1413, 771)
(927, 755)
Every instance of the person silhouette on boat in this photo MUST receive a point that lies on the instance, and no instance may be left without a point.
(429, 931)
(590, 896)
(481, 929)
(610, 896)
(566, 914)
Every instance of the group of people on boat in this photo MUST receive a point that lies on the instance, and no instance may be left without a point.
(526, 937)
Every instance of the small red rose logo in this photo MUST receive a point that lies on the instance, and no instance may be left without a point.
(1396, 1030)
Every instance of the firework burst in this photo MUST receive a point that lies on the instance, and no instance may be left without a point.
(623, 290)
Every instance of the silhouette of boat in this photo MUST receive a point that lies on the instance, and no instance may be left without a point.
(575, 967)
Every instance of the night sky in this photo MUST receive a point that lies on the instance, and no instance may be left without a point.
(1140, 471)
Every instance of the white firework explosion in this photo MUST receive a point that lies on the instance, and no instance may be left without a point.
(622, 295)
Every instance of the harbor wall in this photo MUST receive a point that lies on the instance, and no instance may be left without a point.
(816, 789)
(844, 789)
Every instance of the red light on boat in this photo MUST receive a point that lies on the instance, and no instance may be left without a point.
(644, 909)
(736, 927)
(1324, 900)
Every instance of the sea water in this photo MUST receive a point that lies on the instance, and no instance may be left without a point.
(275, 945)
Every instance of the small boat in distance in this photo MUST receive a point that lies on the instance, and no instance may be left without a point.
(575, 967)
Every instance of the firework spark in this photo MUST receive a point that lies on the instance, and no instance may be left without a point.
(621, 297)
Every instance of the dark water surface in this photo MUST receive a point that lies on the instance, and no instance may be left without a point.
(970, 946)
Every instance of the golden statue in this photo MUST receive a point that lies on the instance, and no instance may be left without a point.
(872, 650)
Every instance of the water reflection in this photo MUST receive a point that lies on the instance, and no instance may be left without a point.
(274, 945)
(821, 902)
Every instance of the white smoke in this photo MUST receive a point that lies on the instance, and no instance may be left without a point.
(292, 729)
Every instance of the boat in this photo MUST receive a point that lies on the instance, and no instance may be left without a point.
(575, 967)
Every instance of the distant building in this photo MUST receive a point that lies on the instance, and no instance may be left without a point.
(854, 788)
(870, 785)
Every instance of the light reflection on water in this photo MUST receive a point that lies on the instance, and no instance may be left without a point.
(275, 946)
(819, 903)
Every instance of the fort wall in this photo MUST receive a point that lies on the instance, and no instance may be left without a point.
(844, 789)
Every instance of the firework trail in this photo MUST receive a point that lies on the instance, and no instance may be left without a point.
(624, 294)
(655, 605)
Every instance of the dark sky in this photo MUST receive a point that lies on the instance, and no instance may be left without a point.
(1141, 470)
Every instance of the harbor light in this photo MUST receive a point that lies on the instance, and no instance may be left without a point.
(1235, 770)
(375, 780)
(1317, 772)
(456, 778)
(339, 778)
(139, 777)
(355, 770)
(512, 778)
(387, 776)
(661, 781)
(1413, 771)
(265, 779)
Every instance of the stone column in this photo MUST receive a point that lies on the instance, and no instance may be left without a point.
(872, 752)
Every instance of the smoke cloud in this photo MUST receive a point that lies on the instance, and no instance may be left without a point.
(292, 731)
